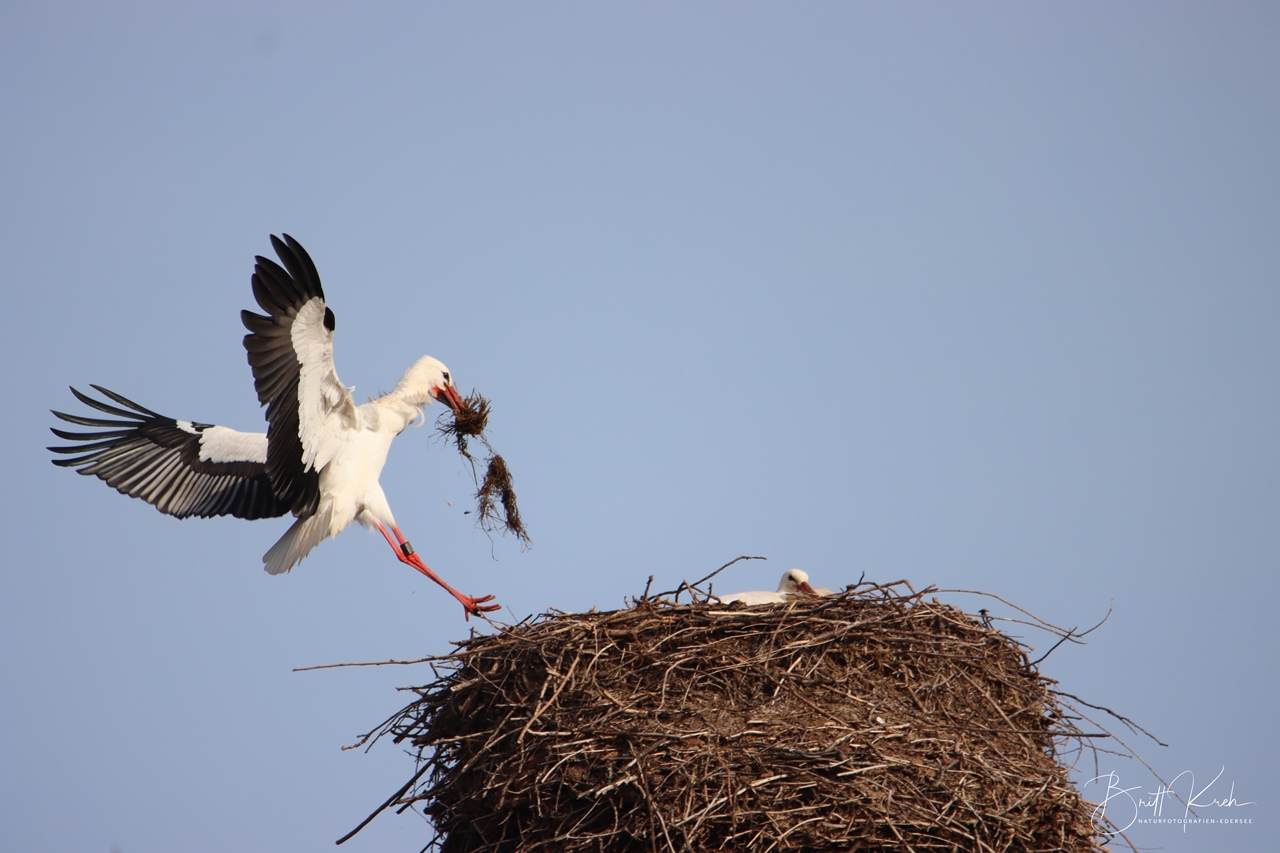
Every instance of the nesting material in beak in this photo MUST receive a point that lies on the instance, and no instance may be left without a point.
(470, 417)
(495, 497)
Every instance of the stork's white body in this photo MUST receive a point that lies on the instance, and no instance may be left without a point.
(753, 597)
(349, 483)
(351, 454)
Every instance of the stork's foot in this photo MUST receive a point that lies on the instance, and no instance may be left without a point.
(476, 605)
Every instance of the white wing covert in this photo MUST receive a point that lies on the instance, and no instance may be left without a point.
(326, 408)
(291, 353)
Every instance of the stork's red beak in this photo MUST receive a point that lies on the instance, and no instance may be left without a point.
(804, 587)
(451, 399)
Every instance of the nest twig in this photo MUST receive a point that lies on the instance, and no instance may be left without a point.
(495, 496)
(873, 720)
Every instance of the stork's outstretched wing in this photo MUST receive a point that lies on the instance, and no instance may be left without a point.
(291, 353)
(181, 468)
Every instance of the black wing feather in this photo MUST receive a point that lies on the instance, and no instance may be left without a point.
(149, 456)
(281, 292)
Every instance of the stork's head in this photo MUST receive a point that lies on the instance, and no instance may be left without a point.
(429, 381)
(795, 581)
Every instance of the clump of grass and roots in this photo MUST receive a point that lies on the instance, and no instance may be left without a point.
(496, 507)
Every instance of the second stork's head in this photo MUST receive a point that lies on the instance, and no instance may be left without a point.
(795, 580)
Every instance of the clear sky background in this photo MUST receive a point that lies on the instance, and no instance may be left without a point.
(981, 296)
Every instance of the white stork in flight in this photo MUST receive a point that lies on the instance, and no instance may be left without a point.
(321, 454)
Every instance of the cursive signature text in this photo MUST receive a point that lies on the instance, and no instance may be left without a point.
(1149, 806)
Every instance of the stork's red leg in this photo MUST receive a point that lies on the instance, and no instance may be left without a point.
(405, 554)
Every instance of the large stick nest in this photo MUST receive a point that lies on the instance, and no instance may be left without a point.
(871, 720)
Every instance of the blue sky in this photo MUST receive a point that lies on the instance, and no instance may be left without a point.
(982, 297)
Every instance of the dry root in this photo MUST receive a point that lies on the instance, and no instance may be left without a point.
(495, 496)
(471, 421)
(496, 490)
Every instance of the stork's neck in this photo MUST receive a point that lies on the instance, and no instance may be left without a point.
(413, 391)
(409, 395)
(395, 408)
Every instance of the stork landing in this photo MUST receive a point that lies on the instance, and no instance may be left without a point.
(321, 456)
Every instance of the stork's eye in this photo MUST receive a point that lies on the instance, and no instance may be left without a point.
(446, 376)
